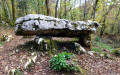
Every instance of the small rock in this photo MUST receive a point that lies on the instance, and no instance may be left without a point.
(9, 38)
(25, 73)
(1, 47)
(30, 61)
(6, 38)
(46, 53)
(92, 52)
(6, 68)
(34, 58)
(17, 50)
(38, 63)
(102, 55)
(32, 54)
(21, 60)
(79, 48)
(43, 54)
(11, 72)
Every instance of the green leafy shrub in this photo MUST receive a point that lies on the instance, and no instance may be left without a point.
(1, 43)
(18, 72)
(65, 55)
(58, 62)
(97, 38)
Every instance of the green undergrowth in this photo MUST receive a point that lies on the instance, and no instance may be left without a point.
(1, 43)
(116, 51)
(59, 62)
(100, 44)
(103, 45)
(96, 49)
(18, 72)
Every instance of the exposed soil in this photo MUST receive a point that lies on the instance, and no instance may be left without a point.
(9, 59)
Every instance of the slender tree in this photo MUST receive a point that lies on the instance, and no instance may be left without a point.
(85, 13)
(60, 9)
(80, 8)
(65, 8)
(48, 7)
(56, 8)
(38, 10)
(74, 11)
(94, 9)
(103, 20)
(13, 9)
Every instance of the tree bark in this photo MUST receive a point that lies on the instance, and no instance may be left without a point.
(103, 20)
(85, 13)
(38, 10)
(66, 12)
(48, 8)
(94, 10)
(80, 8)
(117, 15)
(60, 9)
(56, 8)
(65, 9)
(42, 8)
(13, 9)
(74, 10)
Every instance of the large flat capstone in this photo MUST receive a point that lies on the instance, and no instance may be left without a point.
(38, 24)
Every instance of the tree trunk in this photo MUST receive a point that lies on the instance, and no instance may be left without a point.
(117, 15)
(60, 9)
(48, 8)
(13, 9)
(8, 12)
(42, 8)
(85, 13)
(38, 10)
(65, 9)
(94, 10)
(104, 20)
(80, 8)
(56, 8)
(66, 12)
(74, 10)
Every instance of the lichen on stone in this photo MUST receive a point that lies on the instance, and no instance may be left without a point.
(79, 49)
(75, 25)
(46, 44)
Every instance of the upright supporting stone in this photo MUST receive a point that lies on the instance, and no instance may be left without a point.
(79, 49)
(85, 40)
(46, 44)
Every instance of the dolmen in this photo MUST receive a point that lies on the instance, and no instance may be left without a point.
(45, 27)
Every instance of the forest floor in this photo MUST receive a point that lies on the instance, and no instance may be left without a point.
(9, 59)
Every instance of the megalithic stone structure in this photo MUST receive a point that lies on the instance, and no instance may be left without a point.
(38, 24)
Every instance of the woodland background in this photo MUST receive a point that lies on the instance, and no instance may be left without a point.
(106, 12)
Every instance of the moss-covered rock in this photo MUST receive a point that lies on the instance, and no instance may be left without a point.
(79, 49)
(6, 38)
(30, 62)
(46, 44)
(82, 71)
(116, 52)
